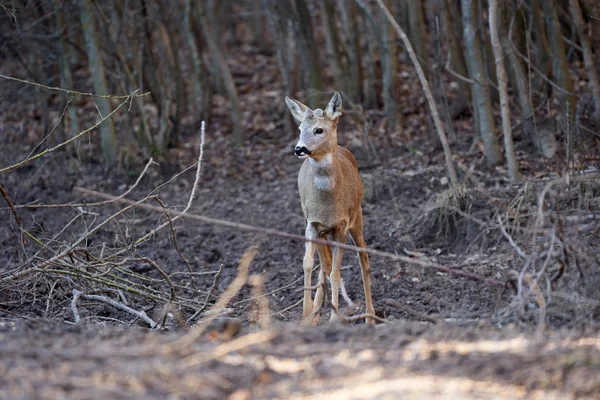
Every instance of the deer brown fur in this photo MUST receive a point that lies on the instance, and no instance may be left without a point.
(330, 192)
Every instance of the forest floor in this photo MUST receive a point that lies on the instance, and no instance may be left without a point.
(454, 337)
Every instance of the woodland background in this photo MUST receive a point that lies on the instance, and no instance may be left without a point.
(148, 181)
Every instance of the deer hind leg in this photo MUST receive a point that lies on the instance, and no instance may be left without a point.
(335, 275)
(357, 234)
(307, 265)
(325, 257)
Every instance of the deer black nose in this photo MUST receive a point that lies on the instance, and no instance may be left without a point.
(301, 150)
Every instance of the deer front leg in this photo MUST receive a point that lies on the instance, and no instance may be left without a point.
(307, 265)
(325, 258)
(336, 270)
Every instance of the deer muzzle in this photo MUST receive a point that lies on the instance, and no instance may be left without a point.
(302, 151)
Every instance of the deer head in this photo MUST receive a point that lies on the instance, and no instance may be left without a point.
(318, 128)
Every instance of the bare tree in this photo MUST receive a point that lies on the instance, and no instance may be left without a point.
(517, 70)
(511, 160)
(197, 67)
(428, 95)
(588, 56)
(333, 40)
(542, 45)
(309, 51)
(479, 88)
(219, 59)
(386, 50)
(417, 32)
(456, 58)
(66, 79)
(96, 64)
(350, 26)
(560, 66)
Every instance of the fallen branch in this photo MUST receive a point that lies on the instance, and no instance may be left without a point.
(138, 314)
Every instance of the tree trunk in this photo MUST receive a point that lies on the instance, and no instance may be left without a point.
(432, 106)
(383, 39)
(66, 80)
(592, 9)
(457, 62)
(389, 66)
(107, 131)
(168, 40)
(544, 59)
(277, 31)
(518, 74)
(560, 66)
(333, 45)
(350, 25)
(309, 52)
(509, 150)
(588, 56)
(479, 89)
(417, 32)
(197, 68)
(219, 59)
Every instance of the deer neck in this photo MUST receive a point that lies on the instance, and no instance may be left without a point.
(325, 170)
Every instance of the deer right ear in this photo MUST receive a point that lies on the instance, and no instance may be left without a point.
(297, 109)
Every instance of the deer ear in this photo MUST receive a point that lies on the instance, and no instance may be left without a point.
(334, 108)
(297, 109)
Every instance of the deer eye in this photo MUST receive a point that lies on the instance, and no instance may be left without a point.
(318, 131)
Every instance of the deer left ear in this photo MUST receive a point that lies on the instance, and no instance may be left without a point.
(334, 108)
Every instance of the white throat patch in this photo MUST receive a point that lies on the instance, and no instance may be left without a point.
(324, 182)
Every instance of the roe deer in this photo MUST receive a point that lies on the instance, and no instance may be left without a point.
(330, 192)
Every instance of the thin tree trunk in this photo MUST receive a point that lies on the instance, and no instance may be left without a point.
(479, 88)
(149, 70)
(66, 79)
(457, 60)
(389, 63)
(135, 76)
(428, 95)
(309, 51)
(560, 66)
(518, 74)
(382, 37)
(168, 40)
(544, 59)
(588, 56)
(417, 32)
(196, 78)
(107, 131)
(592, 9)
(277, 32)
(333, 44)
(353, 49)
(371, 78)
(488, 56)
(513, 167)
(219, 59)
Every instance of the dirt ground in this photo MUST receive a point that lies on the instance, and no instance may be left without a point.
(454, 338)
